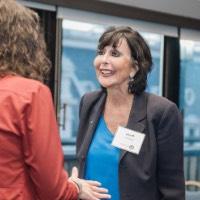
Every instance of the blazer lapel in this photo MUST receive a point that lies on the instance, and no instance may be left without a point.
(93, 120)
(137, 116)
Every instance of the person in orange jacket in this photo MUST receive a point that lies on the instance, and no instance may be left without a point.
(31, 157)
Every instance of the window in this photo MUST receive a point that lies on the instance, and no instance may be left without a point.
(189, 87)
(77, 75)
(189, 104)
(155, 77)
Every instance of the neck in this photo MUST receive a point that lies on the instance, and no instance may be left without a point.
(119, 97)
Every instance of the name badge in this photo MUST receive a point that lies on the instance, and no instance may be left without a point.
(128, 140)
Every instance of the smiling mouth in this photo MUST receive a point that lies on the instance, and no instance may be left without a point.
(106, 72)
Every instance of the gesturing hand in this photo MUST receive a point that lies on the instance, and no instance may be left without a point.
(89, 189)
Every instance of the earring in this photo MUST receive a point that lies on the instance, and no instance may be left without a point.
(131, 84)
(131, 78)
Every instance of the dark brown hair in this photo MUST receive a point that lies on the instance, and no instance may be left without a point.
(140, 52)
(22, 46)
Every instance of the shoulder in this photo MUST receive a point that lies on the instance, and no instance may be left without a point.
(159, 106)
(91, 100)
(23, 89)
(18, 95)
(91, 97)
(158, 101)
(23, 86)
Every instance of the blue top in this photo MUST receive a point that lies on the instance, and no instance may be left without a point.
(103, 160)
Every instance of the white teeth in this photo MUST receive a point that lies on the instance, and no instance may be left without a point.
(106, 72)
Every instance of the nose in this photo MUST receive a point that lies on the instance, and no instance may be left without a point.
(105, 58)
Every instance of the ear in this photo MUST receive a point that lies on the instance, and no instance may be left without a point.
(132, 74)
(135, 69)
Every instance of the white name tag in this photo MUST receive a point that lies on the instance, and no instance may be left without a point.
(128, 140)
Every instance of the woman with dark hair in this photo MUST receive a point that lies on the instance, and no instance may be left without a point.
(31, 157)
(129, 140)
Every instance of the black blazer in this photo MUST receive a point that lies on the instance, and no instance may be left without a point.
(156, 173)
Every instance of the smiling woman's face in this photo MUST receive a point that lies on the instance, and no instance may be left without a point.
(114, 65)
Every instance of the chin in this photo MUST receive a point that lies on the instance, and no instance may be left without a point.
(105, 84)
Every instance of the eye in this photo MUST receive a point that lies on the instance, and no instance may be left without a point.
(115, 53)
(100, 52)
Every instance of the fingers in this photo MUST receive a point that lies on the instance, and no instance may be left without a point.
(101, 193)
(74, 172)
(93, 183)
(102, 196)
(97, 196)
(91, 190)
(99, 189)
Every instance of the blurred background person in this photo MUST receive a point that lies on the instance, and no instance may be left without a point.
(114, 119)
(31, 157)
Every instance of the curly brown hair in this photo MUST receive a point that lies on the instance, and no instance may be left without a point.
(22, 45)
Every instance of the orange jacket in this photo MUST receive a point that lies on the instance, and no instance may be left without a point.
(31, 157)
